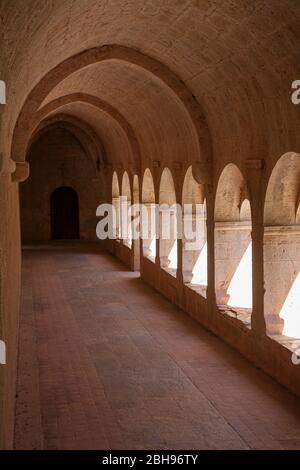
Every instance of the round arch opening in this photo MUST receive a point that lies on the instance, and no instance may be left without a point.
(168, 220)
(233, 245)
(282, 249)
(116, 206)
(194, 246)
(148, 217)
(125, 201)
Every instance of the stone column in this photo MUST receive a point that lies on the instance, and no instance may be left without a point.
(148, 226)
(167, 221)
(116, 204)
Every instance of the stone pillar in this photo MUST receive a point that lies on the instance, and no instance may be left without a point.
(167, 234)
(189, 256)
(148, 221)
(254, 172)
(125, 220)
(116, 204)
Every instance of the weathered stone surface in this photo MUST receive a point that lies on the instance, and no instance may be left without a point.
(200, 83)
(107, 363)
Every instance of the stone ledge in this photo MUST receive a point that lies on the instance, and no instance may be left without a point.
(199, 289)
(292, 344)
(226, 226)
(278, 230)
(241, 314)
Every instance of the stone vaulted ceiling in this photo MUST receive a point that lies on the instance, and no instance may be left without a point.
(192, 79)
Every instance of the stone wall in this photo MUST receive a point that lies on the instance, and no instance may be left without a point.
(58, 159)
(10, 261)
(161, 84)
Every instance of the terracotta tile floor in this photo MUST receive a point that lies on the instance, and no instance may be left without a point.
(106, 362)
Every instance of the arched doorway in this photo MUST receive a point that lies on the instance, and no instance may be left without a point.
(233, 245)
(64, 214)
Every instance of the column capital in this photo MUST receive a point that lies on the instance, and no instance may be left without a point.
(7, 165)
(21, 172)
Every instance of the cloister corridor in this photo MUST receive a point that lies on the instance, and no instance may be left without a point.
(149, 228)
(106, 362)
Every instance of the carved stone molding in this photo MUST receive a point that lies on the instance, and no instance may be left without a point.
(21, 172)
(8, 166)
(256, 164)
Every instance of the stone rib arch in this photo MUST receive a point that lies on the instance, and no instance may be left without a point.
(86, 136)
(23, 126)
(103, 106)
